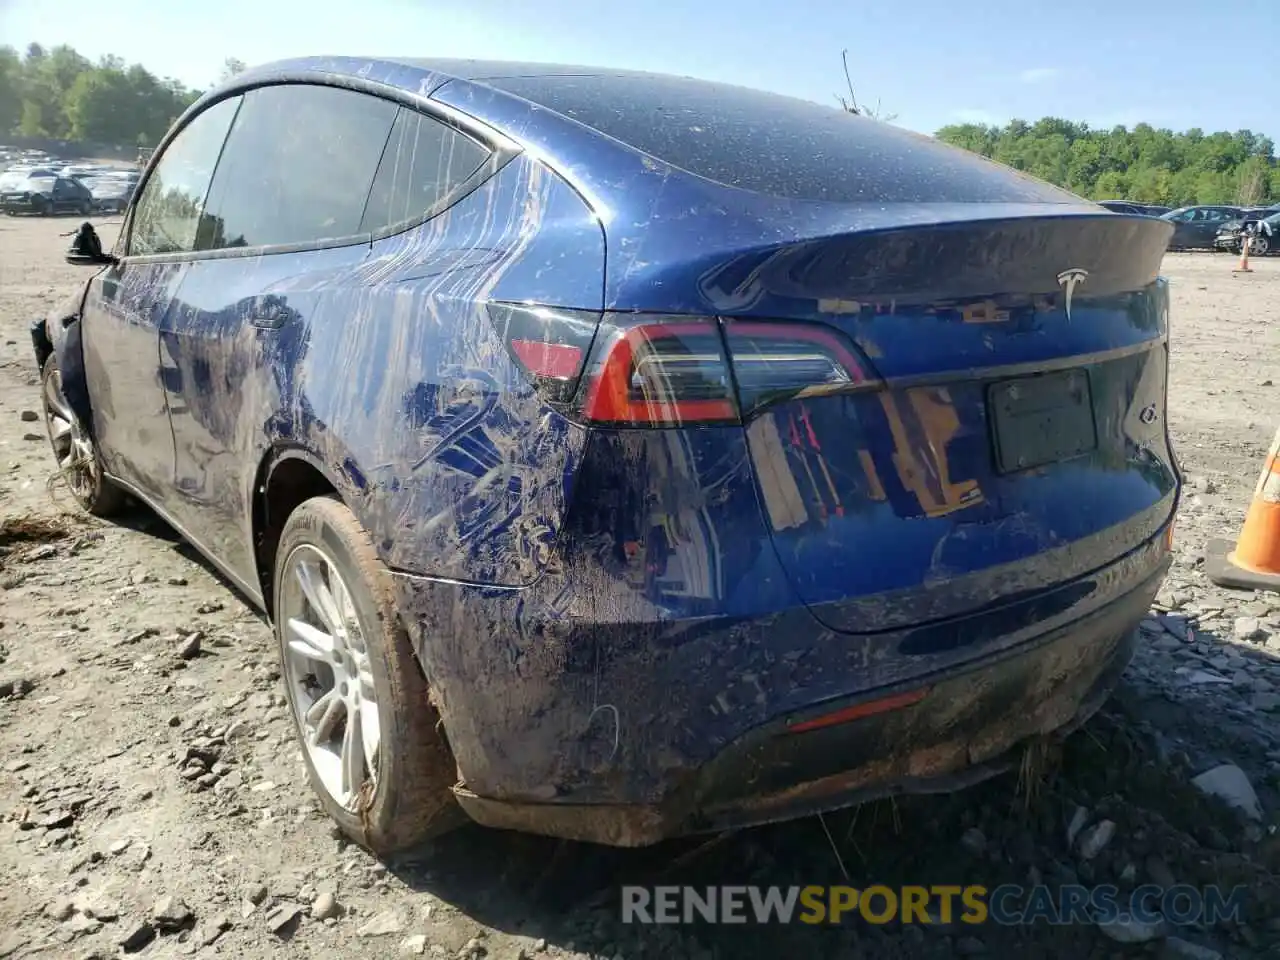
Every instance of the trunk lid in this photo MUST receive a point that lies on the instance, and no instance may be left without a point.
(1010, 435)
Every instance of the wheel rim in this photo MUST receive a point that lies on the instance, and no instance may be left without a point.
(326, 668)
(71, 445)
(1258, 246)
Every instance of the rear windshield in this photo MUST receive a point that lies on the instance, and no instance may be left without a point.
(777, 145)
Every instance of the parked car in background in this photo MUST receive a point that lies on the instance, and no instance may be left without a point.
(1264, 228)
(23, 171)
(44, 196)
(11, 177)
(110, 194)
(1196, 228)
(80, 171)
(618, 456)
(1124, 206)
(1134, 208)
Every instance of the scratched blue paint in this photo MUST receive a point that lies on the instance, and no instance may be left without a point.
(604, 612)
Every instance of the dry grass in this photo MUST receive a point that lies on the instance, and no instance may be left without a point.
(32, 528)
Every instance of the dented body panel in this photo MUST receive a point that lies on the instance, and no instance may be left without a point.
(59, 334)
(630, 618)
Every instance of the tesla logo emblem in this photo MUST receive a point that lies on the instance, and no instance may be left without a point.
(1068, 280)
(1148, 414)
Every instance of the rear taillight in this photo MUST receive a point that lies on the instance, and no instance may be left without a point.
(550, 344)
(657, 373)
(640, 370)
(782, 361)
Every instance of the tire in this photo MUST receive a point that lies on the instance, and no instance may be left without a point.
(408, 798)
(74, 450)
(1259, 246)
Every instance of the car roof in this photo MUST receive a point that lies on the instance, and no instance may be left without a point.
(694, 128)
(494, 69)
(445, 69)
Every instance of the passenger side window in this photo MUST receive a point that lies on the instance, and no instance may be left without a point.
(424, 160)
(169, 208)
(297, 167)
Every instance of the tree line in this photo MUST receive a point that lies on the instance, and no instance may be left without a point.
(62, 95)
(1145, 164)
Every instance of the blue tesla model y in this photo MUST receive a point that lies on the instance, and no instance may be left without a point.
(620, 456)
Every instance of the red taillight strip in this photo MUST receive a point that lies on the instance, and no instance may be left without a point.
(559, 361)
(608, 399)
(798, 331)
(861, 710)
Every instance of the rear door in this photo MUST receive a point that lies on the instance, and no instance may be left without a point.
(278, 249)
(1185, 227)
(66, 196)
(1208, 222)
(126, 306)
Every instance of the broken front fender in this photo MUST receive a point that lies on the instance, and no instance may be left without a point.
(59, 335)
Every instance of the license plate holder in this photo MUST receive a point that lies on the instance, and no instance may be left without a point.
(1041, 419)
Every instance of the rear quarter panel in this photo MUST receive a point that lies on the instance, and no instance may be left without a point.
(467, 472)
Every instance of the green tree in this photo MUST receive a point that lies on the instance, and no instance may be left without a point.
(1252, 180)
(58, 93)
(1145, 164)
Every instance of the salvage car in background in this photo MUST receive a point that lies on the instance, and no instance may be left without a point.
(1196, 228)
(620, 456)
(111, 194)
(1263, 227)
(45, 196)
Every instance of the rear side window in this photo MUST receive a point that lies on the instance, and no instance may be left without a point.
(423, 162)
(777, 145)
(169, 209)
(297, 167)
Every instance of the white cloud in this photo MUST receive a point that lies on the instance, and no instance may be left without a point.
(1039, 74)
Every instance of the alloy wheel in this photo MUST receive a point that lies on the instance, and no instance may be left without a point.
(326, 667)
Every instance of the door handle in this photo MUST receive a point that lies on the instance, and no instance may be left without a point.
(268, 312)
(266, 317)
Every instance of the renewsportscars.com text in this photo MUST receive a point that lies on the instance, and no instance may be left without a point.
(974, 904)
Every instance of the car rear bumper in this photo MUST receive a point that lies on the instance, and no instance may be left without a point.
(965, 729)
(599, 767)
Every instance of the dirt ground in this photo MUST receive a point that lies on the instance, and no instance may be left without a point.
(106, 846)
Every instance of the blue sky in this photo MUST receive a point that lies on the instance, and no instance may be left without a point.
(1175, 63)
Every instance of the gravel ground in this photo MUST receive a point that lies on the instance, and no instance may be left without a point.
(152, 800)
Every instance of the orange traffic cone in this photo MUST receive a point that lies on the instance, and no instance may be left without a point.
(1243, 265)
(1253, 561)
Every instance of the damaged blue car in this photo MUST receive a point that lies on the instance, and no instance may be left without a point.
(620, 456)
